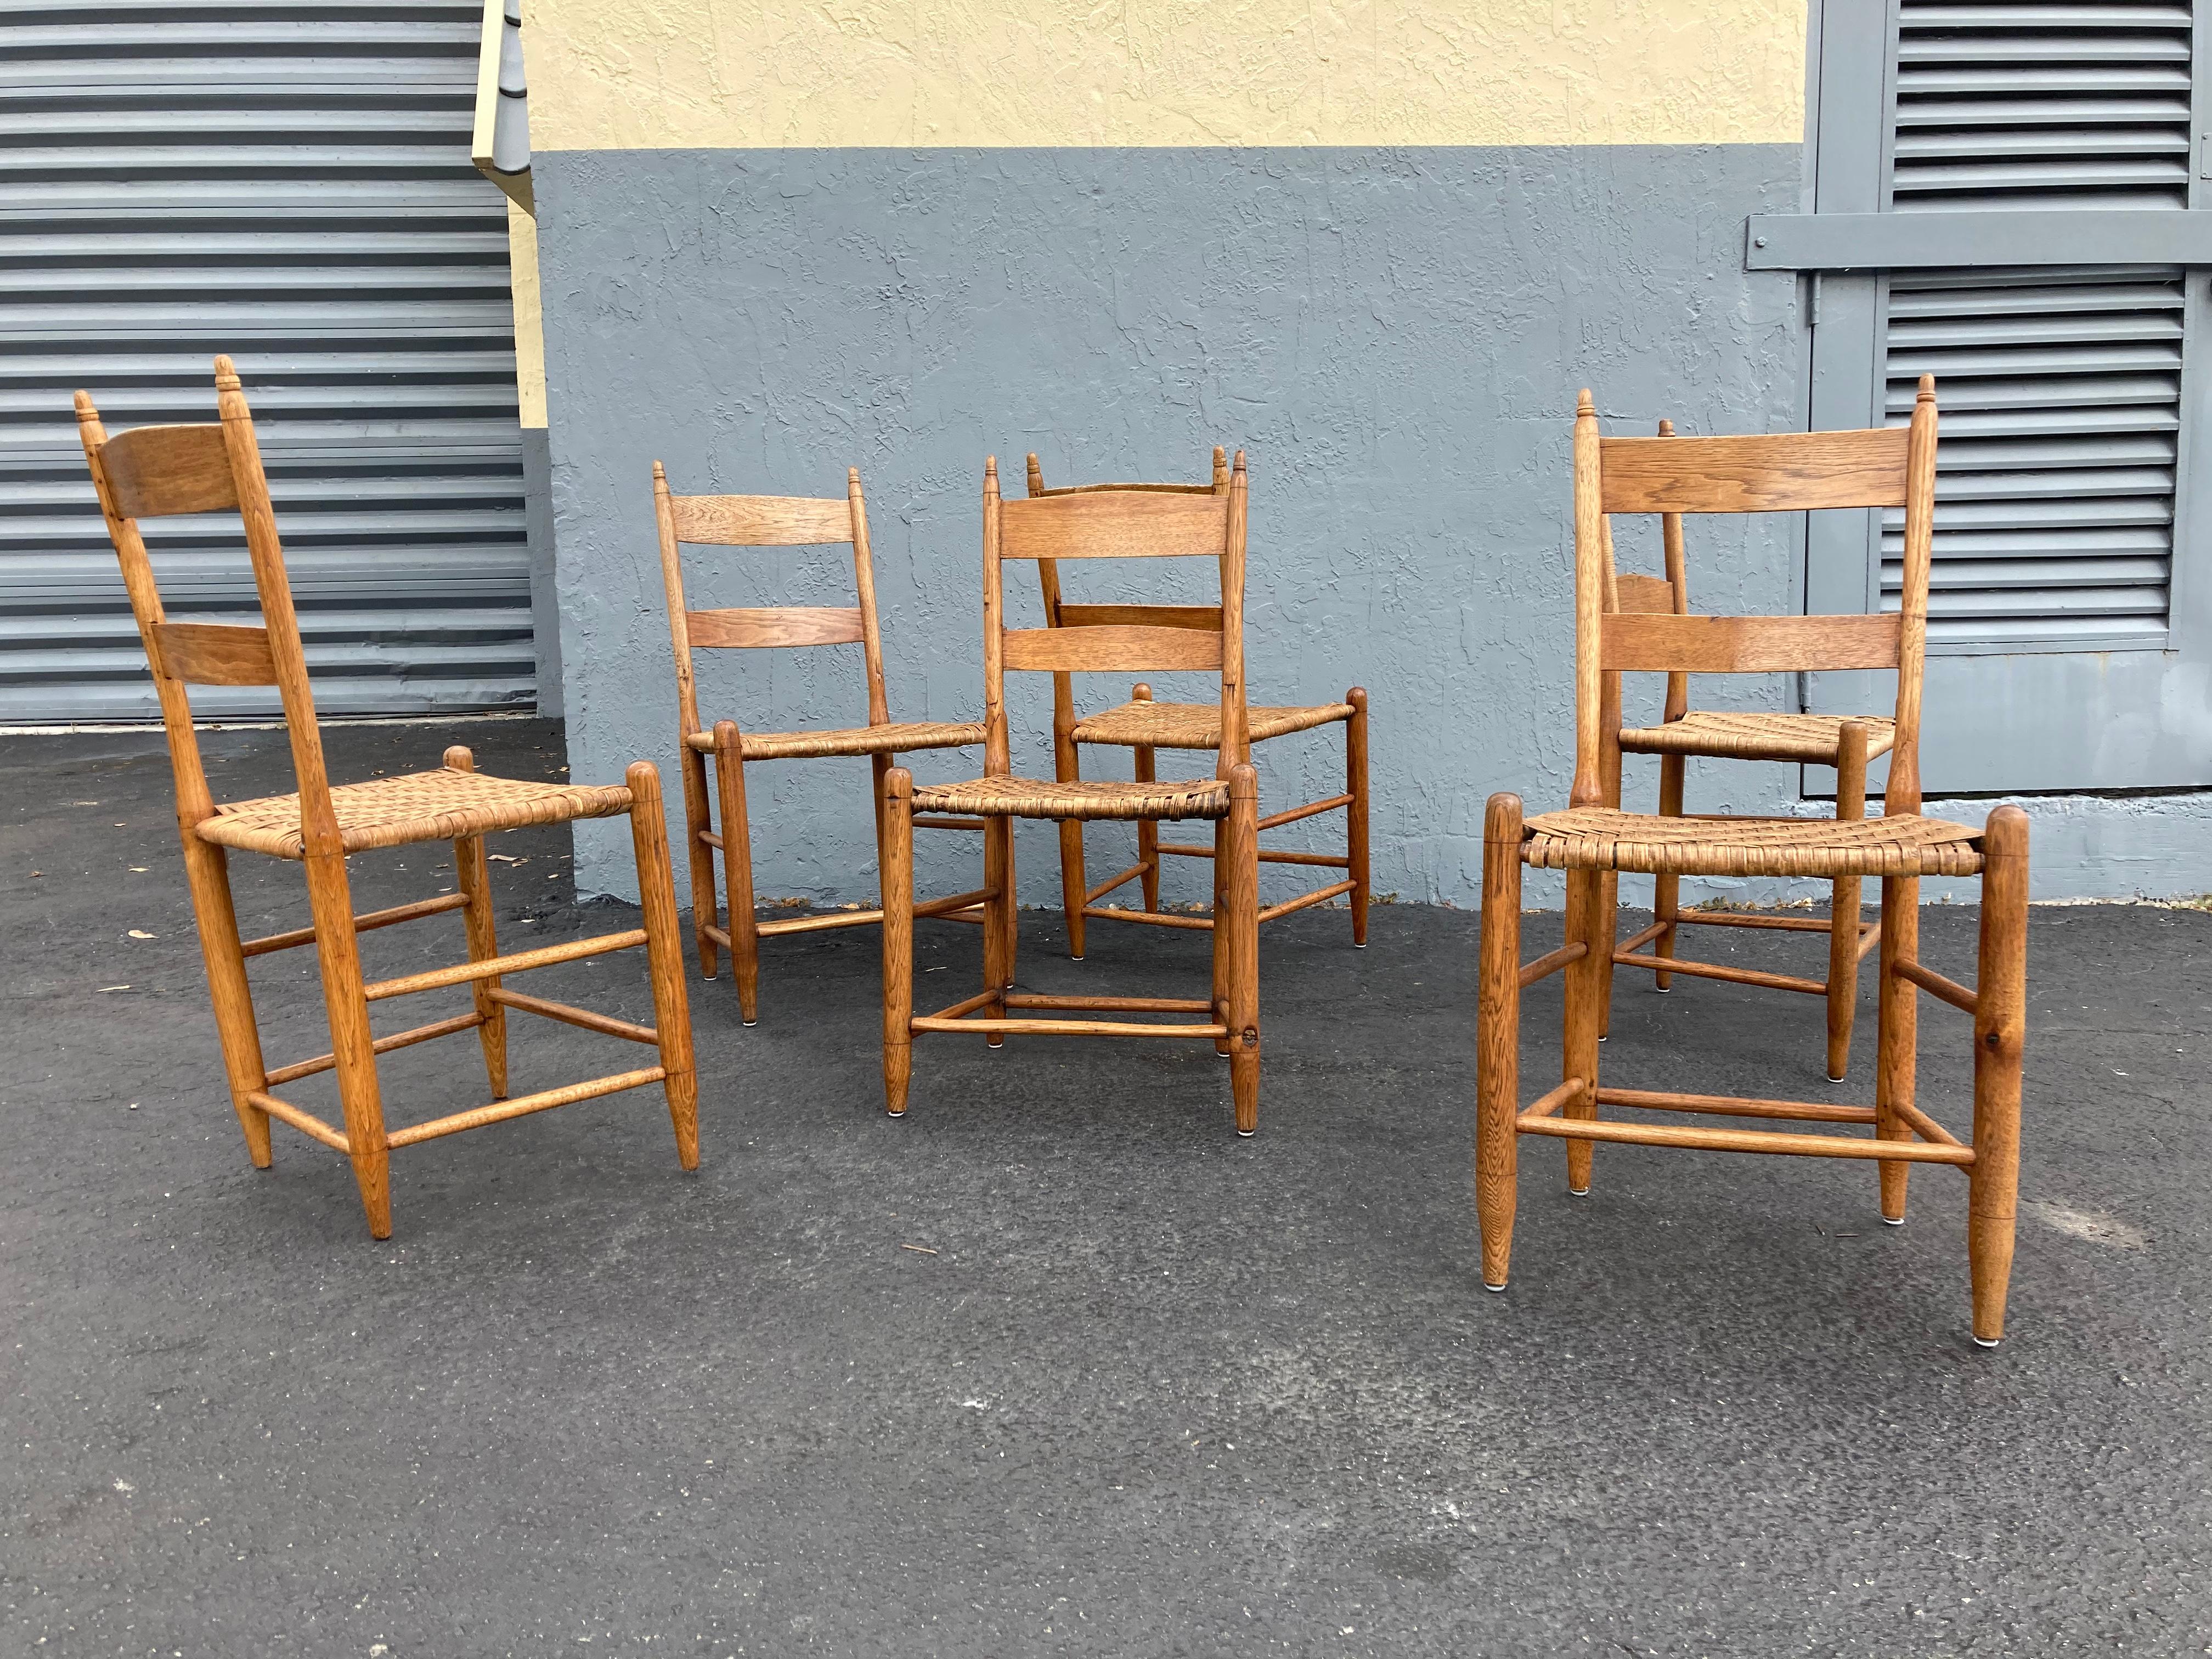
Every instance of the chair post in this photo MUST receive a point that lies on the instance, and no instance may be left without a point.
(1898, 1032)
(1666, 891)
(998, 918)
(1843, 905)
(1355, 817)
(898, 937)
(1590, 920)
(1074, 879)
(664, 955)
(329, 901)
(1145, 764)
(738, 868)
(698, 823)
(1240, 922)
(207, 873)
(1999, 1035)
(1497, 1038)
(473, 875)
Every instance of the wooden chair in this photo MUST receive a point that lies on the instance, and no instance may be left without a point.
(159, 470)
(1117, 523)
(1594, 841)
(1847, 745)
(1146, 728)
(778, 521)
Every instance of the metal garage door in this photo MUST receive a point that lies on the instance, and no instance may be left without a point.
(290, 183)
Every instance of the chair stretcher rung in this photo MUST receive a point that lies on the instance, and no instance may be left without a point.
(1810, 1111)
(1698, 969)
(1745, 1140)
(1150, 918)
(1306, 900)
(523, 1105)
(383, 1045)
(1643, 938)
(567, 1014)
(461, 973)
(1311, 809)
(1116, 1005)
(365, 923)
(306, 1122)
(1066, 1028)
(1937, 985)
(1122, 880)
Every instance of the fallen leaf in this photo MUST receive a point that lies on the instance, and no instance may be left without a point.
(505, 857)
(137, 869)
(919, 1249)
(114, 987)
(140, 932)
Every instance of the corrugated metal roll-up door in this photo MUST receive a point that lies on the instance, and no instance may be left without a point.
(290, 183)
(2018, 178)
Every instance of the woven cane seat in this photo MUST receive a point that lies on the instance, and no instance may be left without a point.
(1035, 797)
(1814, 738)
(1601, 838)
(1198, 725)
(414, 806)
(889, 740)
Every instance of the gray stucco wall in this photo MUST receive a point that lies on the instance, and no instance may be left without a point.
(1395, 336)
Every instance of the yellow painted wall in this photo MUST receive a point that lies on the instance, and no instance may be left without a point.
(529, 319)
(731, 74)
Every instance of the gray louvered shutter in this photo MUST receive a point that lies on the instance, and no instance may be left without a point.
(2061, 389)
(290, 183)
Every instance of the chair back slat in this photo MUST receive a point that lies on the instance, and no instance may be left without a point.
(1076, 648)
(214, 653)
(1204, 616)
(157, 471)
(1114, 524)
(760, 520)
(1634, 642)
(1644, 593)
(775, 625)
(1785, 472)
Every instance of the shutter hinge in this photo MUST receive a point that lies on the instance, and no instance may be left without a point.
(2205, 164)
(1813, 301)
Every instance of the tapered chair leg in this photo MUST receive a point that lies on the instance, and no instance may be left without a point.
(1074, 879)
(1999, 1036)
(207, 872)
(1898, 1033)
(664, 952)
(1224, 950)
(473, 875)
(1239, 919)
(1497, 1038)
(738, 867)
(698, 823)
(898, 937)
(998, 918)
(337, 950)
(1355, 819)
(1843, 909)
(1591, 921)
(1666, 891)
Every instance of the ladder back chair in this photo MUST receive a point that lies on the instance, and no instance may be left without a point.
(1846, 743)
(1116, 524)
(156, 472)
(1145, 726)
(1594, 841)
(778, 521)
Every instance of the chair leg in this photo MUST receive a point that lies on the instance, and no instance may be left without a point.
(1609, 901)
(1074, 879)
(1239, 919)
(1146, 767)
(998, 917)
(207, 873)
(1843, 905)
(1355, 819)
(1590, 920)
(1497, 1038)
(898, 937)
(664, 954)
(329, 901)
(1223, 962)
(738, 867)
(473, 875)
(2000, 1035)
(1666, 891)
(1898, 1033)
(699, 821)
